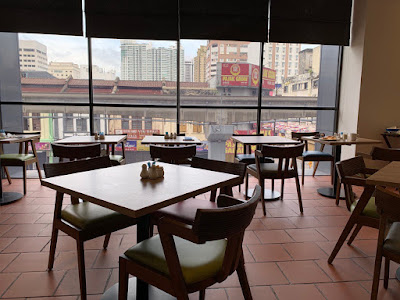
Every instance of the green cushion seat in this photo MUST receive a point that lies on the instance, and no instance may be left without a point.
(310, 154)
(270, 170)
(16, 156)
(198, 262)
(250, 159)
(90, 216)
(392, 241)
(117, 158)
(369, 210)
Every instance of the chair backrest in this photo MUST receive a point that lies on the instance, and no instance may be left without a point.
(387, 154)
(219, 166)
(172, 155)
(65, 168)
(73, 152)
(387, 204)
(351, 167)
(298, 135)
(160, 134)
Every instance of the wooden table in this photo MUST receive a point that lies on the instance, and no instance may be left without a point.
(263, 140)
(88, 139)
(9, 197)
(386, 135)
(160, 140)
(330, 192)
(121, 189)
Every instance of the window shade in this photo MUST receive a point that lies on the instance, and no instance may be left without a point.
(132, 19)
(224, 20)
(41, 16)
(310, 21)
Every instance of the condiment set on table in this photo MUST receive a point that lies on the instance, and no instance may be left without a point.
(335, 137)
(151, 171)
(99, 136)
(171, 136)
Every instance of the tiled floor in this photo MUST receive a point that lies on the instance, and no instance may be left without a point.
(285, 252)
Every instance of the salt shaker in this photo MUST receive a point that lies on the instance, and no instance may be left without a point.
(153, 172)
(144, 174)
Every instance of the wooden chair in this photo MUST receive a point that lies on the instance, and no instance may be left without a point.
(184, 259)
(173, 155)
(315, 156)
(82, 221)
(185, 211)
(387, 203)
(22, 159)
(117, 159)
(247, 157)
(74, 152)
(280, 170)
(386, 154)
(353, 172)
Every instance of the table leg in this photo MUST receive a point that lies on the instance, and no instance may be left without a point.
(37, 159)
(366, 195)
(387, 140)
(8, 197)
(330, 192)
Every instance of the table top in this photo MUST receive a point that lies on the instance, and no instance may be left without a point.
(387, 176)
(259, 140)
(121, 189)
(391, 134)
(109, 139)
(359, 141)
(20, 138)
(160, 140)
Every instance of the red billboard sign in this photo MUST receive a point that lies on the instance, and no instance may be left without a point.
(246, 75)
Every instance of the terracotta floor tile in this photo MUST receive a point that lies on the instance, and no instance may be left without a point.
(4, 242)
(368, 264)
(250, 237)
(258, 293)
(298, 292)
(277, 223)
(344, 252)
(68, 260)
(22, 219)
(343, 291)
(269, 252)
(4, 217)
(303, 272)
(331, 233)
(279, 212)
(366, 246)
(5, 228)
(109, 258)
(367, 233)
(55, 298)
(343, 270)
(392, 293)
(248, 257)
(6, 280)
(35, 284)
(256, 224)
(334, 211)
(27, 244)
(97, 243)
(264, 274)
(24, 230)
(95, 281)
(29, 262)
(22, 209)
(305, 251)
(64, 243)
(45, 219)
(332, 221)
(273, 236)
(6, 259)
(305, 235)
(231, 281)
(304, 222)
(211, 294)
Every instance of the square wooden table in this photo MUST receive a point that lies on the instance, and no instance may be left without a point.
(160, 140)
(121, 189)
(251, 140)
(9, 197)
(330, 192)
(387, 176)
(112, 140)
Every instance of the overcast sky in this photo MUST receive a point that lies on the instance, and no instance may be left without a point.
(106, 52)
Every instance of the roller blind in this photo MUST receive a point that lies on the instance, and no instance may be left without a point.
(224, 20)
(41, 16)
(310, 21)
(132, 19)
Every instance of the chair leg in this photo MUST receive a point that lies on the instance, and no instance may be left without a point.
(53, 244)
(246, 186)
(202, 294)
(386, 275)
(106, 240)
(377, 271)
(261, 181)
(303, 166)
(38, 169)
(354, 234)
(7, 174)
(338, 193)
(282, 187)
(299, 193)
(24, 177)
(123, 280)
(315, 168)
(244, 283)
(273, 185)
(81, 268)
(332, 171)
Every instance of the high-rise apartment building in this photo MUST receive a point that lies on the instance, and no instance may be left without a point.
(63, 70)
(140, 61)
(200, 64)
(97, 73)
(188, 71)
(32, 56)
(283, 58)
(224, 51)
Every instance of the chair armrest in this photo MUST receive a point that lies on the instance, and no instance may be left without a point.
(226, 201)
(358, 181)
(258, 153)
(364, 155)
(171, 226)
